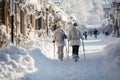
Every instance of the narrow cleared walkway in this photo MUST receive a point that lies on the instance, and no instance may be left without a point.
(92, 68)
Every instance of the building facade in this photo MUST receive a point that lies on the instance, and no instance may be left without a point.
(21, 22)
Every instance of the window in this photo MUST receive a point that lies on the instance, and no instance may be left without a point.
(1, 11)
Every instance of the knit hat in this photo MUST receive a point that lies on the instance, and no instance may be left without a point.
(75, 24)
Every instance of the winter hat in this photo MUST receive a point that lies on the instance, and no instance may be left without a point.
(75, 24)
(59, 24)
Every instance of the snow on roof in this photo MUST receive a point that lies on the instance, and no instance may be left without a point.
(61, 13)
(93, 26)
(106, 6)
(115, 0)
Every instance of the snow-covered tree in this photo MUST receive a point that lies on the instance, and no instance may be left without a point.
(86, 11)
(29, 6)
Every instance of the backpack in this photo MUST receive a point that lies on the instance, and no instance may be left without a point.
(60, 36)
(74, 34)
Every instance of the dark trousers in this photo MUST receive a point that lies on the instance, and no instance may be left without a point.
(86, 37)
(60, 52)
(75, 50)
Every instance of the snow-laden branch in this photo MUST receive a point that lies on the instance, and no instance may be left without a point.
(29, 6)
(84, 9)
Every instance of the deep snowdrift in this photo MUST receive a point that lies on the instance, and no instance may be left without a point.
(112, 53)
(15, 62)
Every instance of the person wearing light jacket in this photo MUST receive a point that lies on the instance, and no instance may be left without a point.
(59, 40)
(74, 36)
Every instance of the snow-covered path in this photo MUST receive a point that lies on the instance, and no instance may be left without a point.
(90, 69)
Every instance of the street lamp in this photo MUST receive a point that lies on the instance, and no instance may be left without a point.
(12, 9)
(48, 6)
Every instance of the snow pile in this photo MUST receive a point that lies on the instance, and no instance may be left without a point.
(15, 62)
(112, 54)
(109, 39)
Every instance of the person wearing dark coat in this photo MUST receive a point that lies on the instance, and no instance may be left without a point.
(85, 34)
(95, 32)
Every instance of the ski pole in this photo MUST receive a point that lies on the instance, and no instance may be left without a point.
(83, 49)
(68, 51)
(54, 50)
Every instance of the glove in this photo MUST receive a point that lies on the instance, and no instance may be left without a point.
(53, 41)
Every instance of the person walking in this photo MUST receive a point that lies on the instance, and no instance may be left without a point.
(95, 32)
(59, 40)
(85, 34)
(74, 36)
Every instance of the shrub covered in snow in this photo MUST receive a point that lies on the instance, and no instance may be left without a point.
(15, 63)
